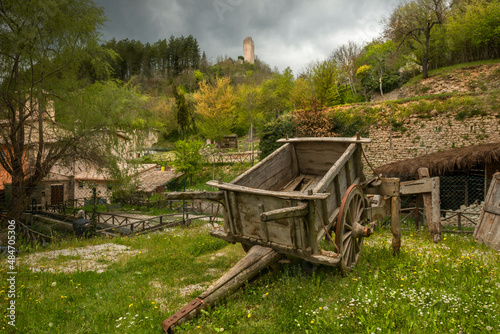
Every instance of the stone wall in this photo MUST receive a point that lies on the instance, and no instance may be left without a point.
(419, 136)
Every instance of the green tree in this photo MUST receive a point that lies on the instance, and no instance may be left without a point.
(320, 84)
(413, 21)
(473, 30)
(248, 107)
(215, 107)
(44, 43)
(182, 111)
(276, 94)
(380, 56)
(188, 159)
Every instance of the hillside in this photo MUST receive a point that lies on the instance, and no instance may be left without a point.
(463, 78)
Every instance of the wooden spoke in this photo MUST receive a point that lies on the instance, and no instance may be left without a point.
(352, 212)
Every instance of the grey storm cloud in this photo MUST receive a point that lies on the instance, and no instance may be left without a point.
(285, 32)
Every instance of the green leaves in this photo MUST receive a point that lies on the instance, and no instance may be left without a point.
(215, 109)
(188, 159)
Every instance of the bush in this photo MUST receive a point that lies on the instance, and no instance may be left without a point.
(280, 128)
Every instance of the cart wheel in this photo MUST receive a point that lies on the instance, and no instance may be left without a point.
(351, 227)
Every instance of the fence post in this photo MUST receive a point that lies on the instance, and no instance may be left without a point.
(460, 221)
(417, 215)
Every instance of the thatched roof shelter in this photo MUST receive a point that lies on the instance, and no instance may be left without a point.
(438, 163)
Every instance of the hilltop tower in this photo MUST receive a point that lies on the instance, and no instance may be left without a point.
(248, 50)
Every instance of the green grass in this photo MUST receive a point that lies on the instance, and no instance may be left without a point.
(450, 287)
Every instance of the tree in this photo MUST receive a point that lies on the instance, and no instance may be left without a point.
(44, 42)
(322, 79)
(346, 56)
(414, 20)
(276, 94)
(182, 111)
(379, 55)
(473, 30)
(188, 159)
(215, 106)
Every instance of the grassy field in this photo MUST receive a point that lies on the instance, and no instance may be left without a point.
(450, 287)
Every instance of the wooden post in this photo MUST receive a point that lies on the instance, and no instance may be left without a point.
(432, 206)
(436, 209)
(418, 205)
(395, 224)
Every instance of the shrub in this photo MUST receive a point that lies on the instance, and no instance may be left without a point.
(280, 128)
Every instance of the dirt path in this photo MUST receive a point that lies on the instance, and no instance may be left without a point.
(89, 258)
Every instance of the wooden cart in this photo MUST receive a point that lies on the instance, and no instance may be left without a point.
(307, 200)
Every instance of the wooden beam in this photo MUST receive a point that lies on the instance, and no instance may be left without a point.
(279, 194)
(203, 195)
(432, 206)
(395, 224)
(257, 259)
(416, 187)
(335, 169)
(296, 211)
(326, 139)
(387, 187)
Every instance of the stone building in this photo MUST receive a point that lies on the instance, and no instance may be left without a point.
(248, 50)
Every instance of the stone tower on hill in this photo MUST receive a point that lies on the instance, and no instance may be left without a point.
(248, 50)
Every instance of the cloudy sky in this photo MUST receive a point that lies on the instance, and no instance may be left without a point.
(285, 32)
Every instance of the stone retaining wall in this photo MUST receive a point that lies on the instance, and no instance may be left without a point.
(419, 136)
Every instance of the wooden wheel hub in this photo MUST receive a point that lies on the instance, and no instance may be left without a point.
(351, 227)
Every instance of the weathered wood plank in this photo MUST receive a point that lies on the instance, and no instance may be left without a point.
(253, 263)
(488, 228)
(233, 198)
(203, 195)
(436, 208)
(229, 223)
(416, 187)
(359, 163)
(492, 209)
(274, 169)
(278, 194)
(326, 139)
(311, 229)
(395, 224)
(317, 158)
(431, 199)
(296, 211)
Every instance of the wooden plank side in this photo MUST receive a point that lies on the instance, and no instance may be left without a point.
(251, 207)
(317, 158)
(359, 163)
(343, 185)
(278, 163)
(335, 169)
(276, 177)
(488, 228)
(482, 228)
(332, 201)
